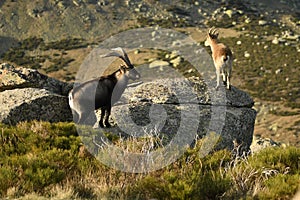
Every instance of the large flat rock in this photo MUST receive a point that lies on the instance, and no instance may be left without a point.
(12, 77)
(33, 104)
(26, 94)
(184, 110)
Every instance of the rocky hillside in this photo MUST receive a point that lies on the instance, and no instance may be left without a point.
(55, 36)
(98, 19)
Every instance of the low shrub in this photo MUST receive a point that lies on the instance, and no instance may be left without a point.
(43, 160)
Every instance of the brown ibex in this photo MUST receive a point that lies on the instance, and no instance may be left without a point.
(102, 92)
(222, 57)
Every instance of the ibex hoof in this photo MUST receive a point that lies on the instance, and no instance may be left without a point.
(108, 125)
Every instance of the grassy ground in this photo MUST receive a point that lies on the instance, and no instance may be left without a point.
(40, 160)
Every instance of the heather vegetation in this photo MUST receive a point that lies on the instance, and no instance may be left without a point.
(41, 160)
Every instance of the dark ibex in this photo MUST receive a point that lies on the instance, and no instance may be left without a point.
(102, 92)
(221, 55)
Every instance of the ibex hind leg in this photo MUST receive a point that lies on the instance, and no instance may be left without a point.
(75, 116)
(224, 76)
(102, 117)
(83, 118)
(108, 111)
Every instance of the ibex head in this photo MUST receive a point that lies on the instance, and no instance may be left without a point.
(128, 68)
(212, 35)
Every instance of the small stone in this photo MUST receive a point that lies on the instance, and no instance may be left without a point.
(240, 12)
(61, 5)
(175, 62)
(229, 13)
(257, 103)
(275, 41)
(262, 22)
(137, 51)
(153, 34)
(281, 40)
(247, 55)
(239, 42)
(247, 21)
(158, 63)
(102, 3)
(176, 43)
(190, 71)
(173, 54)
(76, 3)
(278, 71)
(273, 127)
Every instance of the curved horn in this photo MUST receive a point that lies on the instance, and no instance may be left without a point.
(210, 30)
(213, 32)
(123, 56)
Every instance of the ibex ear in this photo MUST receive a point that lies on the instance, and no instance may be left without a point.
(123, 68)
(217, 35)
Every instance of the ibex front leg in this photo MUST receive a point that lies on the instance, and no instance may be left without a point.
(228, 74)
(218, 78)
(224, 75)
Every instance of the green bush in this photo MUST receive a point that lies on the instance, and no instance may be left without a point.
(36, 158)
(280, 187)
(31, 43)
(280, 159)
(58, 63)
